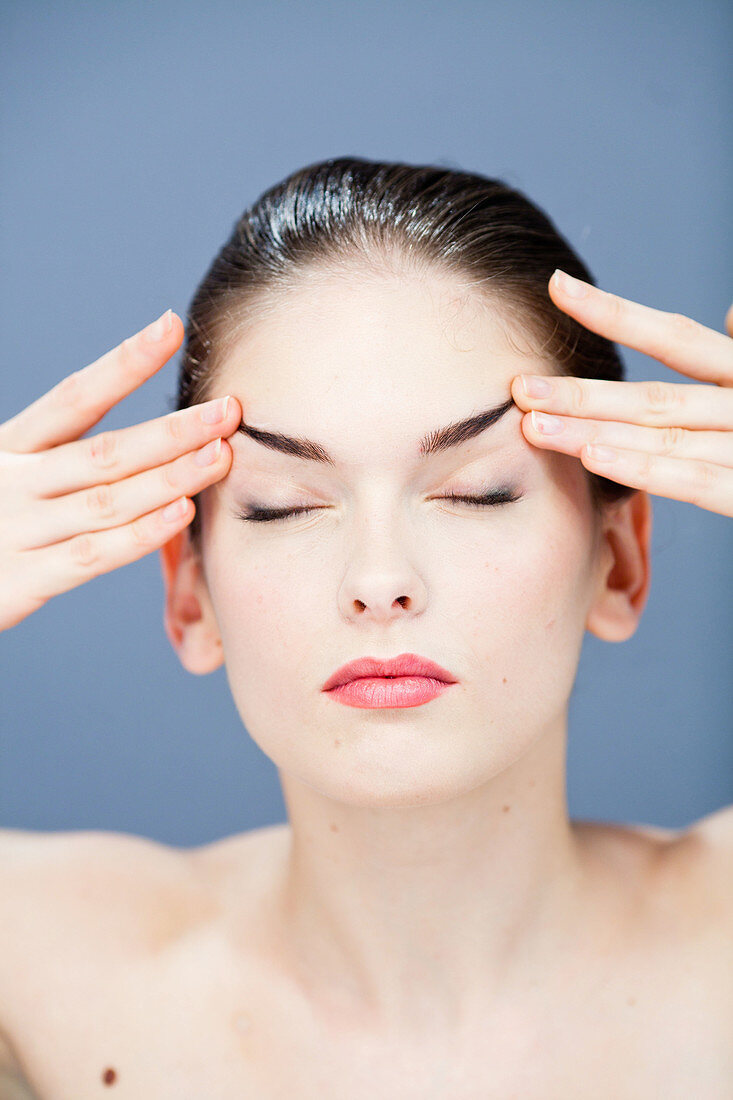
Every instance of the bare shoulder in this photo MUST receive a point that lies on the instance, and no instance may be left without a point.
(68, 860)
(91, 877)
(71, 901)
(684, 877)
(65, 894)
(95, 887)
(716, 829)
(692, 895)
(707, 848)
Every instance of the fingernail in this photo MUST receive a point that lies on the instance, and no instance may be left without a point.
(546, 425)
(536, 385)
(574, 288)
(596, 453)
(160, 328)
(215, 411)
(209, 453)
(176, 509)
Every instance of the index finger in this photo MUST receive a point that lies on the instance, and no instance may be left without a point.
(80, 400)
(673, 339)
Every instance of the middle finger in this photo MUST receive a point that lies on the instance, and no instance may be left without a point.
(573, 433)
(656, 404)
(110, 456)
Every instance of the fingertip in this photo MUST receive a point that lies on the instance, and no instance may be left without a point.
(529, 428)
(517, 393)
(235, 411)
(568, 285)
(177, 329)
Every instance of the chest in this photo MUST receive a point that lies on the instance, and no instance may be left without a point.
(190, 1024)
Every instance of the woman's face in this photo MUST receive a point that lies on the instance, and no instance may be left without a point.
(498, 595)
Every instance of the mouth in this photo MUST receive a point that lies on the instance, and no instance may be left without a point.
(405, 665)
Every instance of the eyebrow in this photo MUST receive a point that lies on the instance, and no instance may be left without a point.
(440, 439)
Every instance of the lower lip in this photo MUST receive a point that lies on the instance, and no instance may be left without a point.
(382, 691)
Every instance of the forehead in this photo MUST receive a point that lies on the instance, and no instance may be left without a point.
(369, 364)
(373, 330)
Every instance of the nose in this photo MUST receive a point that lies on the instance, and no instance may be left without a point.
(381, 581)
(382, 596)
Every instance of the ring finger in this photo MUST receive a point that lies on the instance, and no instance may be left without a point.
(655, 404)
(105, 506)
(114, 455)
(573, 432)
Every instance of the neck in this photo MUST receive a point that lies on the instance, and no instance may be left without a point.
(399, 915)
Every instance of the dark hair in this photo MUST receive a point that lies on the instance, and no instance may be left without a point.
(399, 217)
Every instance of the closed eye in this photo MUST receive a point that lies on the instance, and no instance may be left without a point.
(255, 514)
(496, 496)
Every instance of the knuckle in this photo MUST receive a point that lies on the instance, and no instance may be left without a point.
(69, 390)
(682, 326)
(172, 477)
(659, 396)
(142, 532)
(616, 307)
(706, 474)
(84, 551)
(174, 425)
(102, 451)
(127, 352)
(672, 440)
(100, 502)
(577, 395)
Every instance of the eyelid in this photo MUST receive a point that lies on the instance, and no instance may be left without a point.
(302, 499)
(492, 496)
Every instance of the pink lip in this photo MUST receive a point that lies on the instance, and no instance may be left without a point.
(406, 665)
(370, 692)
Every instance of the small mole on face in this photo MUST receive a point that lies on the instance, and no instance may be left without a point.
(109, 1076)
(334, 827)
(505, 809)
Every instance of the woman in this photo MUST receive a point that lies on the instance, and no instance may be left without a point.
(378, 486)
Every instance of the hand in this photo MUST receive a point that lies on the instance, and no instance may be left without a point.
(671, 439)
(72, 509)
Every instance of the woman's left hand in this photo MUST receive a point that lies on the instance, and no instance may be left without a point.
(674, 440)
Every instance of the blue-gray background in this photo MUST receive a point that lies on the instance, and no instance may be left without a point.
(133, 136)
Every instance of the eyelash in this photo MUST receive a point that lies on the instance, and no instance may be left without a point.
(274, 515)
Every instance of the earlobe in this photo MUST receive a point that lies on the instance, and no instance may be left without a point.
(625, 569)
(188, 616)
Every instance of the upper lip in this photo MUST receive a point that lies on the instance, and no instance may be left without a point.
(407, 664)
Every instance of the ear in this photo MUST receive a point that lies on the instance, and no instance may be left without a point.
(624, 568)
(189, 617)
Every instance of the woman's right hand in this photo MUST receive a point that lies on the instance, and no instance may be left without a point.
(73, 508)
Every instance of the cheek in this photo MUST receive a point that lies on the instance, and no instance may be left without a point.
(506, 606)
(525, 622)
(266, 612)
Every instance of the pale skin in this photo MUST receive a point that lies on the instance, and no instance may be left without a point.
(429, 880)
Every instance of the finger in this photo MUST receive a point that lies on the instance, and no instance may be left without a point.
(80, 400)
(729, 321)
(569, 434)
(673, 339)
(701, 483)
(655, 404)
(58, 568)
(111, 456)
(106, 506)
